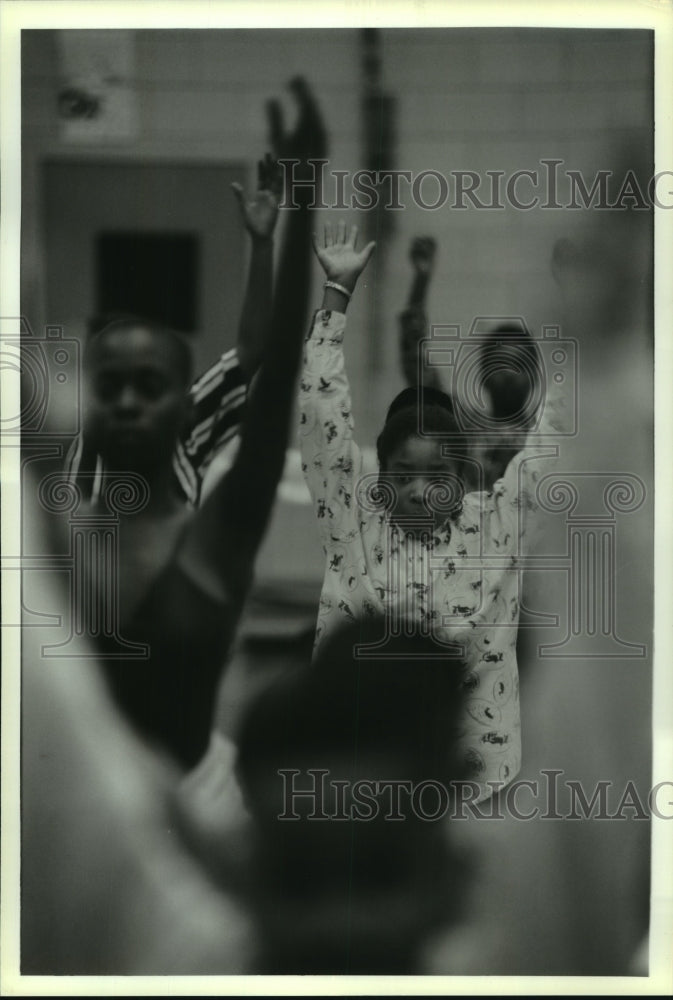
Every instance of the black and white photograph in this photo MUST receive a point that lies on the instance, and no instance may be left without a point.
(336, 356)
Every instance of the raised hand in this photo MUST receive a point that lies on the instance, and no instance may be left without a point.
(308, 141)
(339, 258)
(422, 254)
(260, 212)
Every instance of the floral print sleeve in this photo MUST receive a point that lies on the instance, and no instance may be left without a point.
(331, 460)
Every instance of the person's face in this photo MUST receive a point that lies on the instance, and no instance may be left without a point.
(137, 402)
(426, 484)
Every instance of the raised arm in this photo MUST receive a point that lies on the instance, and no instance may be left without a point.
(219, 395)
(413, 321)
(221, 544)
(422, 253)
(190, 616)
(259, 214)
(330, 457)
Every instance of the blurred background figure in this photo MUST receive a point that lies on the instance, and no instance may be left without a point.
(413, 321)
(577, 889)
(511, 377)
(508, 388)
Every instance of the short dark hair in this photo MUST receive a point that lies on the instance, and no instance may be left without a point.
(102, 325)
(418, 396)
(407, 421)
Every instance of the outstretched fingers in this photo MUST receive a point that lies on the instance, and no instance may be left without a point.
(269, 175)
(276, 178)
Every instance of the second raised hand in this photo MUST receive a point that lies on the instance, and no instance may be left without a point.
(260, 212)
(339, 257)
(422, 254)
